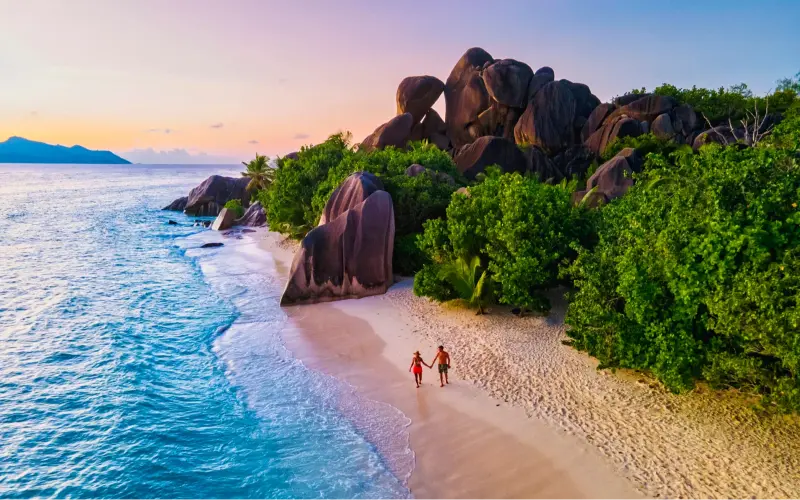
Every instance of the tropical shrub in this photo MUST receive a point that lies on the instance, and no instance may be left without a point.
(288, 201)
(719, 105)
(787, 133)
(522, 229)
(301, 188)
(408, 258)
(696, 274)
(236, 207)
(469, 281)
(428, 282)
(644, 144)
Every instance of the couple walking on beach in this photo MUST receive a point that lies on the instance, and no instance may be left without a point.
(443, 359)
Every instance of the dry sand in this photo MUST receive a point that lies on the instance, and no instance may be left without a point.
(563, 428)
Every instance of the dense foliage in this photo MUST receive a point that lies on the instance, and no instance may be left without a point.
(302, 186)
(697, 274)
(288, 200)
(236, 206)
(719, 105)
(519, 228)
(644, 144)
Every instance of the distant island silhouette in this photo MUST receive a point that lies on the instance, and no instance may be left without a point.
(21, 150)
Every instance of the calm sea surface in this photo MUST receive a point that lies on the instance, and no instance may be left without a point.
(133, 364)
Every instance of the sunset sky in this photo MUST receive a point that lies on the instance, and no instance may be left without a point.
(229, 78)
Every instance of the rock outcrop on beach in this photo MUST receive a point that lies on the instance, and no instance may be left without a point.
(349, 255)
(224, 220)
(212, 194)
(254, 216)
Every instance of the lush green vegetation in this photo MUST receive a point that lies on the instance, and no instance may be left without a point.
(236, 206)
(693, 275)
(644, 144)
(469, 281)
(735, 102)
(697, 274)
(301, 188)
(520, 229)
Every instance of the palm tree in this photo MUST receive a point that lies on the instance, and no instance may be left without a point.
(469, 282)
(259, 171)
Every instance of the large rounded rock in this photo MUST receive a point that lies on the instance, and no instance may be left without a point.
(662, 127)
(507, 82)
(686, 117)
(542, 77)
(473, 159)
(212, 194)
(417, 94)
(254, 216)
(613, 128)
(396, 132)
(613, 178)
(350, 193)
(548, 120)
(178, 204)
(721, 134)
(585, 101)
(595, 119)
(348, 257)
(466, 97)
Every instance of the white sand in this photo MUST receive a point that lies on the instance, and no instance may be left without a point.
(585, 429)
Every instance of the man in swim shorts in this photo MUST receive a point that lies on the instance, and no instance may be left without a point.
(443, 358)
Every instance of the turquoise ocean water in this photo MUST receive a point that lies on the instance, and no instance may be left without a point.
(133, 364)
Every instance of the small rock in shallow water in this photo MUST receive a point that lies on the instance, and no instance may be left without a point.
(211, 245)
(172, 222)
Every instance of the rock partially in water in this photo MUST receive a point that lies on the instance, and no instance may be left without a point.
(177, 205)
(214, 244)
(213, 193)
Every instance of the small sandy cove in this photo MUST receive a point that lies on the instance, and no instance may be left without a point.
(528, 417)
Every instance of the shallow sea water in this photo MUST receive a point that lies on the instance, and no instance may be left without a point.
(133, 364)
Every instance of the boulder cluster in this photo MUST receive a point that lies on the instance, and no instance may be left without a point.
(208, 199)
(501, 111)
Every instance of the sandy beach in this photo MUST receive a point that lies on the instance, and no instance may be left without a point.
(526, 416)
